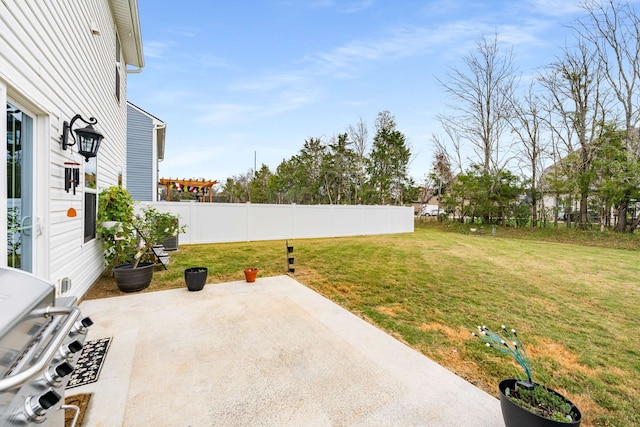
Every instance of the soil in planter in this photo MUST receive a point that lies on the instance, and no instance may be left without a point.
(543, 402)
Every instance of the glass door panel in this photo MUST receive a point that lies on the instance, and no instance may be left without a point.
(19, 189)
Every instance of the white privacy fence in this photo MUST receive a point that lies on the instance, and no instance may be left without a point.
(235, 222)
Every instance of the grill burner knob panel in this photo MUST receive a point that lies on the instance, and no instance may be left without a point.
(35, 408)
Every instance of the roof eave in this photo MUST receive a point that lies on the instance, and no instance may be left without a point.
(127, 20)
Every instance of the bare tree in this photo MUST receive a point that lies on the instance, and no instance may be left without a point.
(359, 136)
(578, 105)
(450, 147)
(527, 124)
(614, 30)
(480, 97)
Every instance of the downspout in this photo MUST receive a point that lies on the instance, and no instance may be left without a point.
(156, 127)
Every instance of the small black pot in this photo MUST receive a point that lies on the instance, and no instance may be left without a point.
(195, 277)
(516, 416)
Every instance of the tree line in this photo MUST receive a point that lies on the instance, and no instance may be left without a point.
(341, 170)
(512, 149)
(570, 132)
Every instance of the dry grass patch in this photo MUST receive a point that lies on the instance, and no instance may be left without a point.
(392, 310)
(458, 334)
(567, 360)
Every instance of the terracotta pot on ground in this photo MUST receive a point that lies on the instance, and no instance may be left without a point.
(250, 274)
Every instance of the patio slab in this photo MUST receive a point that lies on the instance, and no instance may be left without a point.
(269, 353)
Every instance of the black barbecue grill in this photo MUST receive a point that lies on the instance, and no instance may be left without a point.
(40, 341)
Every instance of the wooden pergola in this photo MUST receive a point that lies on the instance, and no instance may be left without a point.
(186, 185)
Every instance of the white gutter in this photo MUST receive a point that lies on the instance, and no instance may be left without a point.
(157, 127)
(133, 70)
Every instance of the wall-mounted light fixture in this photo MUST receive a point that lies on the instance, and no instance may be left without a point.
(88, 139)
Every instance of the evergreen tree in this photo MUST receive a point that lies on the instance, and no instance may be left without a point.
(388, 162)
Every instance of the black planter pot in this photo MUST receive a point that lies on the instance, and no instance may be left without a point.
(131, 279)
(196, 277)
(517, 416)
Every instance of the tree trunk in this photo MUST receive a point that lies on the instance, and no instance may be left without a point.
(634, 224)
(534, 208)
(621, 226)
(583, 211)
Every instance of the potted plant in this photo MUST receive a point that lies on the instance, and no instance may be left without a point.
(115, 225)
(523, 402)
(195, 277)
(127, 245)
(115, 205)
(250, 274)
(156, 227)
(160, 226)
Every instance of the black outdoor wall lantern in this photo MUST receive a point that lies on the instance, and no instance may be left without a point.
(87, 139)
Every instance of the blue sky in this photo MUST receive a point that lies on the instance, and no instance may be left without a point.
(233, 78)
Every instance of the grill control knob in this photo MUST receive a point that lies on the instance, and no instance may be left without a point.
(81, 326)
(67, 351)
(64, 369)
(54, 375)
(36, 407)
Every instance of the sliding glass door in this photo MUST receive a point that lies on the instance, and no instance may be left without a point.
(19, 189)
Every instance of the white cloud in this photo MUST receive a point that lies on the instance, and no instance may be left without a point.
(321, 4)
(212, 61)
(168, 96)
(342, 6)
(156, 49)
(268, 82)
(555, 7)
(222, 114)
(290, 100)
(183, 31)
(294, 88)
(356, 6)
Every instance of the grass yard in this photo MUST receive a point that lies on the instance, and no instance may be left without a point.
(575, 304)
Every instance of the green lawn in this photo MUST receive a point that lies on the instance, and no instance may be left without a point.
(575, 304)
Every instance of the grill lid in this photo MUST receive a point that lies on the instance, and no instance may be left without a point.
(20, 294)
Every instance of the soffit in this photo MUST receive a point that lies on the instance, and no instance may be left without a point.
(125, 15)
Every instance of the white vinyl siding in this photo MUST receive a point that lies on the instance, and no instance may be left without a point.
(51, 61)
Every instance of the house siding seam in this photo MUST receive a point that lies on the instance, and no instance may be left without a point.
(51, 61)
(140, 149)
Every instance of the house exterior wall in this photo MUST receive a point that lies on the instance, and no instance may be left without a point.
(141, 156)
(53, 64)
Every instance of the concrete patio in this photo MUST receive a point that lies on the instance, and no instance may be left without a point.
(271, 353)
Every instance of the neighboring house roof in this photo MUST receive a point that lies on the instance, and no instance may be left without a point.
(125, 14)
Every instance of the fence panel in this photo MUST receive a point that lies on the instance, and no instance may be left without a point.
(236, 222)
